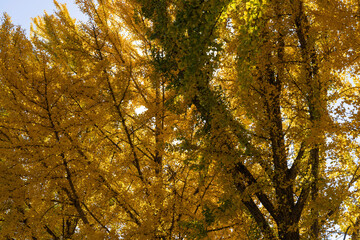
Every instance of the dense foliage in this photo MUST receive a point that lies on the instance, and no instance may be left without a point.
(182, 119)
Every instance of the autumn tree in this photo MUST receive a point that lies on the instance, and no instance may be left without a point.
(269, 81)
(78, 159)
(187, 119)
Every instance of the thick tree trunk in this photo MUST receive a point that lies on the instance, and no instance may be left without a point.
(288, 225)
(290, 235)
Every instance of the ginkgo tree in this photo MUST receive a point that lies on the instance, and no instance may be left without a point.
(187, 119)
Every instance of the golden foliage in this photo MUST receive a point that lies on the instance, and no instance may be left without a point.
(181, 120)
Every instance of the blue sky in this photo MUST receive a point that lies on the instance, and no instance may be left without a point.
(21, 11)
